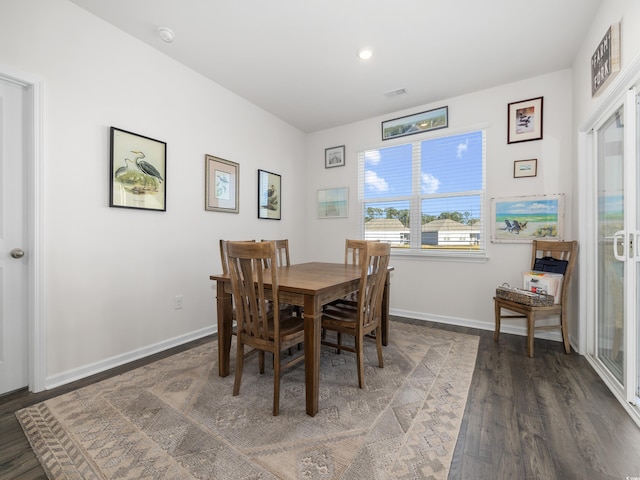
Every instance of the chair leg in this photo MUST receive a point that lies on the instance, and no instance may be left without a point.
(496, 331)
(276, 383)
(565, 333)
(339, 342)
(379, 346)
(360, 359)
(239, 365)
(261, 361)
(530, 333)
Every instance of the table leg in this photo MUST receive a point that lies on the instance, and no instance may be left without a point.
(312, 320)
(225, 319)
(385, 311)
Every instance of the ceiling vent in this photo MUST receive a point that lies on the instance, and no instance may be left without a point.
(396, 93)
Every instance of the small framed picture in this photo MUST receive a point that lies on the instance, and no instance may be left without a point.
(525, 168)
(222, 179)
(334, 157)
(333, 203)
(525, 120)
(269, 195)
(138, 171)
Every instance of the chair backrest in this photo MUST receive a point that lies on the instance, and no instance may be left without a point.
(247, 270)
(560, 251)
(282, 252)
(223, 255)
(354, 251)
(374, 262)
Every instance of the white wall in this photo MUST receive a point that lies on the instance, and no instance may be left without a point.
(456, 292)
(627, 12)
(112, 274)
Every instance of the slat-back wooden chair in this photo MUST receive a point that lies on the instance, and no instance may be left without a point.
(224, 260)
(354, 251)
(282, 252)
(224, 254)
(366, 316)
(261, 326)
(542, 248)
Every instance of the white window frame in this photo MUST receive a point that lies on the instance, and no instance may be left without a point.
(415, 251)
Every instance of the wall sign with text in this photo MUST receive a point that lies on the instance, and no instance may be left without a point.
(605, 61)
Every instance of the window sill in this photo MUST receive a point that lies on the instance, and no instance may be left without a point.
(470, 257)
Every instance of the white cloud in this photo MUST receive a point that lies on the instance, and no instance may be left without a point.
(462, 148)
(372, 157)
(430, 184)
(372, 180)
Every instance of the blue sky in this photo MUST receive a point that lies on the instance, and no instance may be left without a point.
(527, 207)
(448, 164)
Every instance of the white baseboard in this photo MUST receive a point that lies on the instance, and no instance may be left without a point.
(91, 369)
(465, 322)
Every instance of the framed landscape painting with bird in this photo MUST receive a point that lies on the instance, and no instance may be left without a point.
(138, 171)
(269, 197)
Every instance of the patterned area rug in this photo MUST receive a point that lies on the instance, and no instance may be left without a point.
(177, 419)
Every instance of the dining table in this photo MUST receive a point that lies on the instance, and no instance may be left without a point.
(310, 286)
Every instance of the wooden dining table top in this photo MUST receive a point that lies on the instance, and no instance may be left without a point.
(310, 278)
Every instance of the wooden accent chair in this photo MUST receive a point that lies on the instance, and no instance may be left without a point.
(261, 326)
(366, 316)
(541, 248)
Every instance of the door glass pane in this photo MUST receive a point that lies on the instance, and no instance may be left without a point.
(637, 253)
(610, 326)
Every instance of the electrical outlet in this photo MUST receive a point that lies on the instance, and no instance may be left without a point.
(178, 302)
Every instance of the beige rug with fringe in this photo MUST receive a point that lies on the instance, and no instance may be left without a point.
(176, 418)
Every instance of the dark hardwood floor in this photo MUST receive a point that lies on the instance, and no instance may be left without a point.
(549, 417)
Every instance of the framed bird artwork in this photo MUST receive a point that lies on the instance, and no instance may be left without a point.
(138, 171)
(269, 195)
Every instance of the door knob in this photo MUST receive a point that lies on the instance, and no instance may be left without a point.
(17, 253)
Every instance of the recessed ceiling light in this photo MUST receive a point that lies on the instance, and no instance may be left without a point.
(166, 34)
(365, 53)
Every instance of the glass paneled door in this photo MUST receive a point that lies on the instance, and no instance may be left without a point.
(612, 244)
(617, 326)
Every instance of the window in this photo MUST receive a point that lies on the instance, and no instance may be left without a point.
(427, 196)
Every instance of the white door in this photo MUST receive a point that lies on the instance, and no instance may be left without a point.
(14, 352)
(616, 210)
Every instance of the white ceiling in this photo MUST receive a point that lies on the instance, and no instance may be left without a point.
(297, 58)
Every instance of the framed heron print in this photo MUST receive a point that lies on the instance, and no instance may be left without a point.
(269, 195)
(138, 171)
(222, 179)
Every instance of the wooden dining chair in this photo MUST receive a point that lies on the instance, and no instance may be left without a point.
(224, 255)
(366, 316)
(354, 251)
(261, 324)
(353, 254)
(283, 260)
(542, 248)
(282, 252)
(224, 260)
